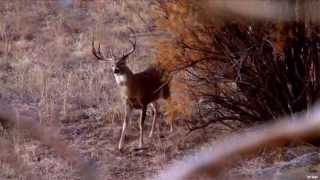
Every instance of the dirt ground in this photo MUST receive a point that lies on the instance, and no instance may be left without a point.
(95, 134)
(47, 70)
(96, 138)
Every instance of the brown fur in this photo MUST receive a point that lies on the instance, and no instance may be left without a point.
(144, 87)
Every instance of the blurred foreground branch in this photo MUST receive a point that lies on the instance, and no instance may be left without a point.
(47, 136)
(213, 161)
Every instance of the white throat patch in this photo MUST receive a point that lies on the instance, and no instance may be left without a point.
(121, 79)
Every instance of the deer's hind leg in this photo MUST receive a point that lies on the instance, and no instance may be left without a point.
(141, 124)
(154, 107)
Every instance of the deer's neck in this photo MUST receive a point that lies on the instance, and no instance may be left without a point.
(124, 79)
(127, 83)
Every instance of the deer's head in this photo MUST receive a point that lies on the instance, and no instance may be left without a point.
(119, 64)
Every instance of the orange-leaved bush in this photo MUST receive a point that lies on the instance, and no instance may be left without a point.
(242, 69)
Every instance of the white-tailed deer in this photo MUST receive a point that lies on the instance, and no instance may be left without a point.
(137, 89)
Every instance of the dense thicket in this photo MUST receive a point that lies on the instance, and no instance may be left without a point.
(238, 68)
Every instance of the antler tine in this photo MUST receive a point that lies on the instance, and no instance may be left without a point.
(99, 51)
(133, 45)
(95, 53)
(113, 53)
(98, 54)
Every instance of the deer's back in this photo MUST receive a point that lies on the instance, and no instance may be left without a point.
(149, 81)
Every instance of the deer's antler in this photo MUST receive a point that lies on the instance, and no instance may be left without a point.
(98, 54)
(133, 43)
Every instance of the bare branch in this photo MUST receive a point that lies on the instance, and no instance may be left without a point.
(49, 137)
(214, 161)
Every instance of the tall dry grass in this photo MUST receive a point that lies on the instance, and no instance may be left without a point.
(46, 53)
(47, 69)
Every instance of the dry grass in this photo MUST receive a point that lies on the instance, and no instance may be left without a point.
(68, 103)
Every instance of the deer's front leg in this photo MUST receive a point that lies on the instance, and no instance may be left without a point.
(124, 126)
(141, 123)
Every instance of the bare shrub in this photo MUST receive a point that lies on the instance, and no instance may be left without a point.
(243, 70)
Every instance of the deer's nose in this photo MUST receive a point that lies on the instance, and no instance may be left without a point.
(116, 71)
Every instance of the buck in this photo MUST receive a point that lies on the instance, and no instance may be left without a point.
(138, 90)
